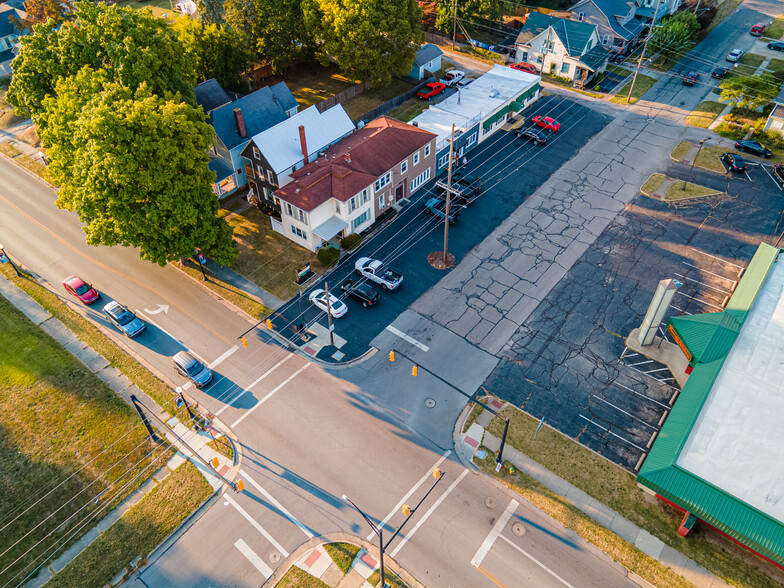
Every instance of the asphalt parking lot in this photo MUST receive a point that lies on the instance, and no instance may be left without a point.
(564, 363)
(511, 170)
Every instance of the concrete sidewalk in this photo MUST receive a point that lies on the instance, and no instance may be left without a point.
(477, 436)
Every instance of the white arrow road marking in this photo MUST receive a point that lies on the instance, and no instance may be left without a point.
(256, 525)
(494, 533)
(253, 558)
(164, 308)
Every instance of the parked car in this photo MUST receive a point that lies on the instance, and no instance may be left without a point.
(468, 185)
(123, 319)
(617, 58)
(336, 306)
(754, 147)
(778, 173)
(526, 67)
(735, 55)
(436, 206)
(690, 78)
(719, 73)
(532, 135)
(546, 122)
(452, 77)
(776, 45)
(734, 162)
(81, 289)
(377, 272)
(430, 90)
(757, 29)
(361, 291)
(189, 367)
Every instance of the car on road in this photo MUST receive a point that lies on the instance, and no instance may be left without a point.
(690, 78)
(466, 184)
(757, 29)
(362, 291)
(546, 122)
(526, 67)
(776, 45)
(375, 271)
(452, 77)
(734, 162)
(123, 319)
(81, 289)
(189, 367)
(719, 73)
(436, 206)
(430, 90)
(462, 192)
(532, 135)
(336, 306)
(734, 55)
(778, 173)
(753, 147)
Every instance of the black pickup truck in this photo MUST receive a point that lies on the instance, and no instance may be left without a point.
(362, 291)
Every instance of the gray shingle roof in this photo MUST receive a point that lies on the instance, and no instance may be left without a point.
(595, 58)
(222, 171)
(427, 52)
(6, 28)
(210, 95)
(611, 9)
(573, 34)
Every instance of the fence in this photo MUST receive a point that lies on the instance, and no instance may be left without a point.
(341, 97)
(393, 103)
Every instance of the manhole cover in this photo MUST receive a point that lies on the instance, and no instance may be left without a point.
(430, 403)
(650, 120)
(275, 557)
(489, 502)
(518, 529)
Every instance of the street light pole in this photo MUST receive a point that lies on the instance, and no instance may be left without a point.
(329, 314)
(8, 257)
(378, 531)
(691, 169)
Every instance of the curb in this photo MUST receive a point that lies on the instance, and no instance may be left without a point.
(457, 433)
(25, 170)
(286, 344)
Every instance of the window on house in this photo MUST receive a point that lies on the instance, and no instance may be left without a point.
(404, 167)
(420, 179)
(248, 167)
(298, 232)
(361, 219)
(275, 200)
(383, 181)
(337, 207)
(381, 201)
(302, 217)
(605, 39)
(539, 58)
(565, 68)
(256, 153)
(471, 140)
(262, 175)
(365, 195)
(580, 16)
(289, 209)
(416, 157)
(352, 204)
(427, 150)
(524, 56)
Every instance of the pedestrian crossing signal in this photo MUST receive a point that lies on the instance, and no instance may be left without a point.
(414, 371)
(214, 462)
(406, 510)
(269, 324)
(244, 342)
(391, 356)
(239, 486)
(437, 473)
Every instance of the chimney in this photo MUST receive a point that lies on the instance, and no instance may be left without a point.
(240, 122)
(348, 157)
(303, 144)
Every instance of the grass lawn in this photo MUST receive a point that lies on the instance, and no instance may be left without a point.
(776, 67)
(139, 531)
(642, 85)
(652, 184)
(8, 149)
(342, 554)
(58, 418)
(475, 412)
(369, 99)
(223, 446)
(681, 150)
(776, 30)
(409, 109)
(268, 258)
(617, 69)
(30, 136)
(617, 489)
(708, 158)
(678, 192)
(389, 577)
(227, 291)
(297, 578)
(704, 115)
(752, 60)
(311, 83)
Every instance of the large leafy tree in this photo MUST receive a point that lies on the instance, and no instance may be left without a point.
(469, 10)
(210, 11)
(370, 39)
(749, 92)
(38, 11)
(671, 39)
(219, 51)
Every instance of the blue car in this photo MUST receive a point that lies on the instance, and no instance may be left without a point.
(123, 319)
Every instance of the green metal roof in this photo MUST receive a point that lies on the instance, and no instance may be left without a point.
(710, 337)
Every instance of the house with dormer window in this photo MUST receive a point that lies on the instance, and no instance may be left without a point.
(618, 29)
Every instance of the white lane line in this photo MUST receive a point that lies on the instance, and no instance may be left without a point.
(494, 533)
(255, 524)
(421, 521)
(268, 396)
(160, 328)
(259, 379)
(414, 488)
(277, 504)
(222, 357)
(537, 562)
(408, 339)
(253, 558)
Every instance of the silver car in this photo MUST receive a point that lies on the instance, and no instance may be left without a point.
(735, 55)
(191, 368)
(123, 319)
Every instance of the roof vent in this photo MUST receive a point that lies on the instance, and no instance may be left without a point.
(297, 190)
(414, 124)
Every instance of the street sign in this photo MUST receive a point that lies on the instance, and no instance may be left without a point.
(3, 258)
(541, 423)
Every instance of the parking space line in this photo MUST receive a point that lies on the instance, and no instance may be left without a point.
(679, 309)
(537, 562)
(708, 272)
(646, 374)
(642, 395)
(407, 339)
(276, 504)
(413, 489)
(591, 421)
(268, 396)
(259, 379)
(703, 283)
(426, 516)
(641, 363)
(714, 257)
(253, 558)
(700, 300)
(621, 410)
(256, 525)
(480, 554)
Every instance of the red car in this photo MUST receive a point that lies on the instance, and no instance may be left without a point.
(430, 90)
(81, 289)
(546, 123)
(526, 67)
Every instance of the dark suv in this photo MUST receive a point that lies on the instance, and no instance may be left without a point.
(532, 135)
(754, 147)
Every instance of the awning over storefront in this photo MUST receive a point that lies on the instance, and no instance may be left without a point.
(330, 228)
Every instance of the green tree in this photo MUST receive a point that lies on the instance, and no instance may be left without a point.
(689, 19)
(670, 39)
(370, 39)
(468, 9)
(219, 51)
(39, 11)
(749, 92)
(210, 11)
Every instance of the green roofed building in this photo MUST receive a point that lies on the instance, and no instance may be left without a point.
(717, 456)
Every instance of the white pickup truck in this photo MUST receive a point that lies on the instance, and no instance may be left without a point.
(377, 272)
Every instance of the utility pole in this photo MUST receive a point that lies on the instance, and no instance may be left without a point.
(642, 54)
(13, 265)
(443, 259)
(329, 315)
(454, 23)
(546, 49)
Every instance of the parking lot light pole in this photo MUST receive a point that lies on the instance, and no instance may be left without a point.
(378, 531)
(500, 457)
(691, 169)
(329, 315)
(8, 257)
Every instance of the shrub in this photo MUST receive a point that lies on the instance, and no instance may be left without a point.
(350, 241)
(731, 131)
(327, 256)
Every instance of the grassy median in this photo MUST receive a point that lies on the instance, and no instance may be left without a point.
(641, 86)
(704, 115)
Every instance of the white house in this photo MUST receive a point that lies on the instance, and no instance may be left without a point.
(775, 122)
